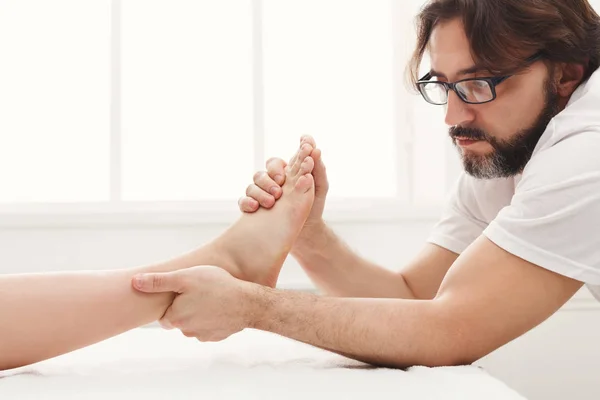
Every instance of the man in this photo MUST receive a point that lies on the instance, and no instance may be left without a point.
(519, 237)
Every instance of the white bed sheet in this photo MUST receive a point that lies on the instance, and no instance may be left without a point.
(152, 363)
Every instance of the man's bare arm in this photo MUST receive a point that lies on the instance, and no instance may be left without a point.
(338, 271)
(488, 298)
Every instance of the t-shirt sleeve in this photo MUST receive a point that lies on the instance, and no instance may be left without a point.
(458, 227)
(553, 220)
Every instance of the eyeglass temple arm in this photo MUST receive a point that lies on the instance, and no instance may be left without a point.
(426, 77)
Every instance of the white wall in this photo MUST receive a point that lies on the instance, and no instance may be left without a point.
(559, 359)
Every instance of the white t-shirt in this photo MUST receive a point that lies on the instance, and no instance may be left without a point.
(550, 214)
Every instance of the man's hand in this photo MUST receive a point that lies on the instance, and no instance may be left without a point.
(210, 305)
(266, 189)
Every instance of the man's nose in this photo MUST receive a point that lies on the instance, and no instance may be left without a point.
(457, 111)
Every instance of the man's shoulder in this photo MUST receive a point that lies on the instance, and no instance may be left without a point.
(573, 157)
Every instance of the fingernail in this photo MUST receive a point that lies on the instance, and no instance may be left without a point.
(278, 178)
(137, 281)
(274, 190)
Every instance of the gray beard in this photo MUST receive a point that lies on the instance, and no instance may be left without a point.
(509, 157)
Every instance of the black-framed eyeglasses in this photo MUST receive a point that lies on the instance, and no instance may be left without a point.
(471, 90)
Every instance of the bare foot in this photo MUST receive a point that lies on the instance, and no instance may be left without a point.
(258, 244)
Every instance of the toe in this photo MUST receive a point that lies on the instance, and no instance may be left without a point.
(304, 152)
(293, 159)
(308, 139)
(304, 184)
(296, 155)
(307, 166)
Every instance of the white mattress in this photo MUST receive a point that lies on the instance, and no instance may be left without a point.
(152, 363)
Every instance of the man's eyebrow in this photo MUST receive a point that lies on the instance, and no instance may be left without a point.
(466, 71)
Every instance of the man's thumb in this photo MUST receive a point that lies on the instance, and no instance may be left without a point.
(158, 282)
(320, 175)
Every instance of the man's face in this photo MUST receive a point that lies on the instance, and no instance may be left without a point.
(495, 139)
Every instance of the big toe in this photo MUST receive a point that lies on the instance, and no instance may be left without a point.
(305, 184)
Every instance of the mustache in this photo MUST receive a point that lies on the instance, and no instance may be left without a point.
(467, 133)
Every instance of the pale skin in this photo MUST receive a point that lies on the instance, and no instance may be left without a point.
(442, 309)
(45, 315)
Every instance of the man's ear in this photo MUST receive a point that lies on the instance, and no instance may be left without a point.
(569, 77)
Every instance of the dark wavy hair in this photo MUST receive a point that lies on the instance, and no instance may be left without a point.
(503, 33)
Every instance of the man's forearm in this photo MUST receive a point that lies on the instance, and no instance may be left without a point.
(387, 332)
(338, 271)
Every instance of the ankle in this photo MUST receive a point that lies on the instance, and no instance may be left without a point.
(218, 255)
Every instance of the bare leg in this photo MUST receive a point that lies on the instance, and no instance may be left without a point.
(48, 314)
(255, 247)
(45, 315)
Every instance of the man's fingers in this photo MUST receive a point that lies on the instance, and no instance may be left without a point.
(319, 172)
(248, 204)
(320, 175)
(316, 155)
(276, 170)
(209, 336)
(266, 183)
(168, 320)
(264, 198)
(165, 324)
(158, 282)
